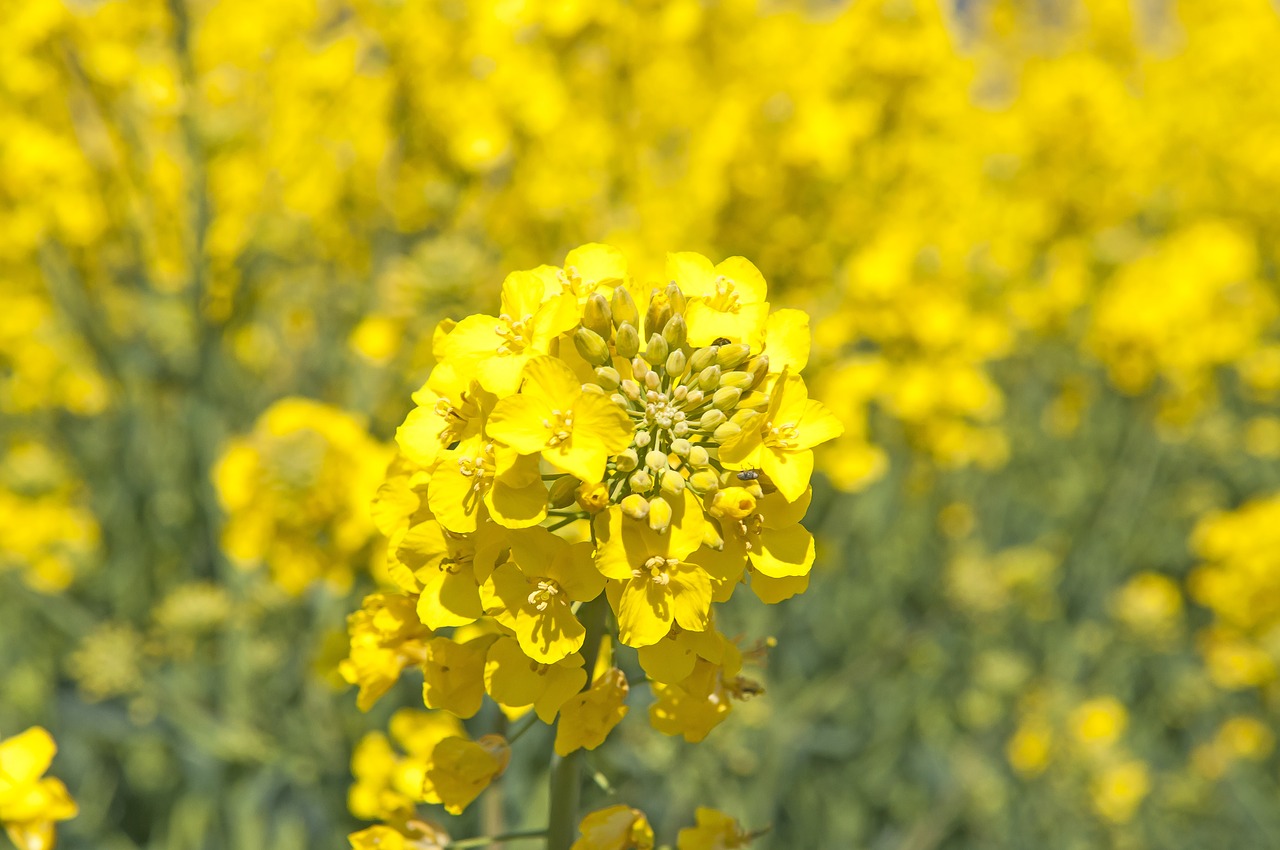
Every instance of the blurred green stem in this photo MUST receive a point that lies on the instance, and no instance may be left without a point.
(485, 840)
(566, 771)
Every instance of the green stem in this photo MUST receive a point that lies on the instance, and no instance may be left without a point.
(566, 771)
(486, 840)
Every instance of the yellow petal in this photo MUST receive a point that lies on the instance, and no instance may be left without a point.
(690, 597)
(25, 757)
(787, 340)
(516, 507)
(645, 612)
(784, 552)
(789, 471)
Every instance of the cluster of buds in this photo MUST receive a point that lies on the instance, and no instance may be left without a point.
(602, 457)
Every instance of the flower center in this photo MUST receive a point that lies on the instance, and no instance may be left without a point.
(560, 425)
(782, 436)
(515, 333)
(656, 569)
(726, 299)
(479, 467)
(547, 590)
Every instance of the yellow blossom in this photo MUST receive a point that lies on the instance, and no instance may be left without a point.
(31, 803)
(615, 828)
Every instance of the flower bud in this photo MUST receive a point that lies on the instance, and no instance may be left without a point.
(681, 447)
(676, 331)
(712, 419)
(698, 456)
(641, 439)
(676, 297)
(709, 379)
(655, 460)
(659, 312)
(741, 380)
(694, 398)
(619, 399)
(676, 362)
(759, 368)
(652, 381)
(730, 356)
(562, 492)
(656, 351)
(726, 398)
(672, 483)
(630, 389)
(594, 389)
(733, 502)
(627, 341)
(681, 427)
(624, 309)
(727, 430)
(703, 357)
(627, 460)
(608, 377)
(635, 506)
(640, 481)
(659, 514)
(593, 498)
(704, 481)
(596, 315)
(591, 346)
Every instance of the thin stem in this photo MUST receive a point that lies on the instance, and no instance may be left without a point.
(486, 840)
(527, 725)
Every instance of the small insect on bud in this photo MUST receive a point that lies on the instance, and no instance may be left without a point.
(655, 460)
(640, 481)
(656, 351)
(698, 456)
(712, 419)
(627, 460)
(709, 379)
(726, 398)
(741, 380)
(608, 377)
(702, 358)
(704, 481)
(659, 514)
(659, 312)
(676, 362)
(635, 506)
(563, 490)
(591, 346)
(676, 297)
(731, 356)
(675, 332)
(624, 309)
(596, 315)
(627, 341)
(727, 430)
(672, 483)
(593, 498)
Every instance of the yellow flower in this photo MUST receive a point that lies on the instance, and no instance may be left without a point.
(30, 804)
(726, 300)
(715, 831)
(448, 409)
(496, 350)
(703, 699)
(479, 478)
(445, 572)
(587, 718)
(615, 828)
(672, 659)
(765, 532)
(460, 769)
(453, 674)
(1118, 790)
(780, 440)
(1098, 723)
(416, 835)
(386, 637)
(574, 431)
(655, 584)
(513, 682)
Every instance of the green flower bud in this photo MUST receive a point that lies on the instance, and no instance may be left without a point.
(681, 447)
(676, 297)
(698, 456)
(624, 309)
(656, 351)
(704, 481)
(608, 377)
(563, 491)
(659, 312)
(655, 460)
(627, 341)
(709, 379)
(741, 380)
(730, 356)
(712, 419)
(594, 389)
(635, 506)
(640, 481)
(591, 346)
(726, 398)
(627, 460)
(630, 389)
(672, 483)
(727, 430)
(597, 316)
(759, 368)
(676, 362)
(659, 514)
(675, 332)
(703, 357)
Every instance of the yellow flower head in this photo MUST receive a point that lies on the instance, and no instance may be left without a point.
(615, 828)
(31, 803)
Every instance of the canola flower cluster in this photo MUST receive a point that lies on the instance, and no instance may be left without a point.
(599, 439)
(30, 802)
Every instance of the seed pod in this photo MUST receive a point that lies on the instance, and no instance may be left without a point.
(672, 483)
(730, 356)
(624, 309)
(591, 346)
(656, 351)
(704, 481)
(676, 297)
(709, 379)
(627, 341)
(608, 377)
(627, 460)
(712, 419)
(635, 506)
(741, 380)
(726, 398)
(727, 430)
(702, 358)
(563, 490)
(659, 514)
(659, 312)
(675, 332)
(596, 315)
(676, 362)
(640, 481)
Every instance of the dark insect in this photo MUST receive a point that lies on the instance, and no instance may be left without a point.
(766, 486)
(749, 475)
(721, 340)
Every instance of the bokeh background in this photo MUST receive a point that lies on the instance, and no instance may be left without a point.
(1038, 239)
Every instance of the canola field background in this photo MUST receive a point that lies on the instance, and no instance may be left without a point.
(1038, 243)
